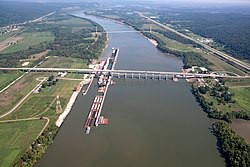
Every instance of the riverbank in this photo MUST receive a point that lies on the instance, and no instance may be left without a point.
(70, 104)
(226, 117)
(41, 104)
(135, 111)
(233, 147)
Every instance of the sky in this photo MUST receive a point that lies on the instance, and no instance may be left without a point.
(158, 1)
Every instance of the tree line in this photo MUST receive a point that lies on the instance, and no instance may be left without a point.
(66, 43)
(189, 58)
(37, 148)
(233, 147)
(213, 112)
(232, 30)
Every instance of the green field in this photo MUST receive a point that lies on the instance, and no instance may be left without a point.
(242, 97)
(64, 62)
(71, 24)
(153, 27)
(7, 78)
(19, 135)
(238, 83)
(15, 138)
(174, 45)
(7, 35)
(220, 65)
(37, 103)
(16, 92)
(74, 76)
(29, 39)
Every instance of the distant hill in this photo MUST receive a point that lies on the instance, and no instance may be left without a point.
(17, 12)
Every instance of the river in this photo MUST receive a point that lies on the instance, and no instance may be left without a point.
(151, 122)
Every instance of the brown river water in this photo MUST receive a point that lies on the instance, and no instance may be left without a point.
(151, 122)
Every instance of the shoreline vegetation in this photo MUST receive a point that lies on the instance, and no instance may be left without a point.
(233, 148)
(189, 58)
(86, 45)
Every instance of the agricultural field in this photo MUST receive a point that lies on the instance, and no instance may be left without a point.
(236, 83)
(67, 24)
(220, 65)
(17, 91)
(44, 103)
(27, 40)
(7, 35)
(37, 105)
(7, 78)
(242, 96)
(72, 22)
(64, 62)
(61, 52)
(35, 57)
(174, 45)
(16, 137)
(153, 27)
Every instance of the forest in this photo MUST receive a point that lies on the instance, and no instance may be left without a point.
(231, 30)
(19, 12)
(235, 150)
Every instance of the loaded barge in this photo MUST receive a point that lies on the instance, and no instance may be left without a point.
(104, 80)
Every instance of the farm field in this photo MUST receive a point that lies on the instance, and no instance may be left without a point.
(16, 137)
(7, 78)
(6, 36)
(29, 39)
(17, 91)
(242, 96)
(64, 62)
(44, 103)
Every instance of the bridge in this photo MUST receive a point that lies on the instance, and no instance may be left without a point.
(133, 74)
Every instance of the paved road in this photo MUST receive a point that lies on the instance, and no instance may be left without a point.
(219, 53)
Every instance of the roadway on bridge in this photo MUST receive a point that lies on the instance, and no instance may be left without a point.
(93, 71)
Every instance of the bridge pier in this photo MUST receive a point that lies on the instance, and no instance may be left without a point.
(166, 77)
(153, 76)
(132, 75)
(118, 75)
(125, 75)
(139, 75)
(146, 77)
(159, 77)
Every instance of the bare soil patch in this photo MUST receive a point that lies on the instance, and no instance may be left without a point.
(35, 57)
(6, 97)
(8, 42)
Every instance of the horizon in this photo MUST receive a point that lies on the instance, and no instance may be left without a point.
(226, 2)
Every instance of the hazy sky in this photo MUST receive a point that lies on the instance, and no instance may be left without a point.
(162, 1)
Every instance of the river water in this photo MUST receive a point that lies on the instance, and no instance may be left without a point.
(151, 122)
